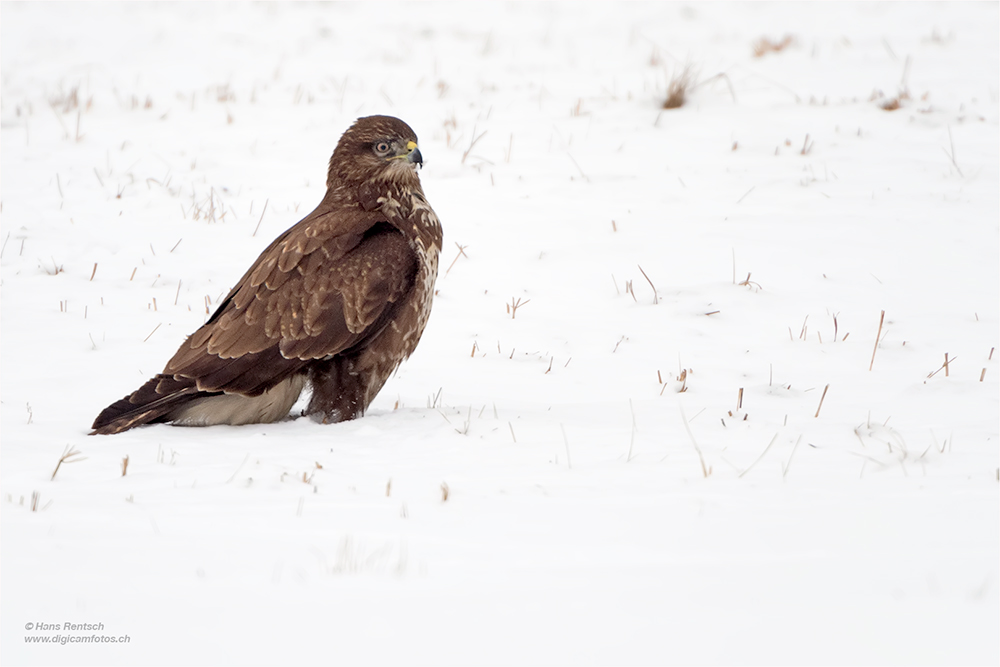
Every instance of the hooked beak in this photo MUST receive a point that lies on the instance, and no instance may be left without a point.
(413, 155)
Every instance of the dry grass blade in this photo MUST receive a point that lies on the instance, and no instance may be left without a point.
(705, 470)
(461, 253)
(629, 290)
(729, 85)
(757, 460)
(951, 155)
(806, 146)
(878, 337)
(578, 167)
(151, 332)
(631, 441)
(238, 468)
(471, 145)
(788, 463)
(825, 389)
(746, 194)
(655, 299)
(261, 217)
(944, 367)
(69, 455)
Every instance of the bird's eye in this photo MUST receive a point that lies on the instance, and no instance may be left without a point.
(382, 147)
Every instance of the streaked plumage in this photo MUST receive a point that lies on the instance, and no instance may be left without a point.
(336, 302)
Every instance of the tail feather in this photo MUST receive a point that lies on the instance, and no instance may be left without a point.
(153, 402)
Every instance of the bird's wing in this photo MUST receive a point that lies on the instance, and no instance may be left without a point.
(317, 291)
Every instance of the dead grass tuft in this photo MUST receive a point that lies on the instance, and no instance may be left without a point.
(893, 103)
(766, 45)
(678, 88)
(890, 104)
(750, 284)
(682, 378)
(67, 101)
(514, 305)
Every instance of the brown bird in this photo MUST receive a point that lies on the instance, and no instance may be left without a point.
(336, 302)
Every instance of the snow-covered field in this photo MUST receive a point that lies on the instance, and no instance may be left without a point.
(728, 468)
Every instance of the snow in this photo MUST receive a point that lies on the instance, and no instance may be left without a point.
(542, 488)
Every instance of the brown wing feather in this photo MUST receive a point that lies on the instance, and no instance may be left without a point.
(352, 301)
(145, 405)
(340, 291)
(302, 300)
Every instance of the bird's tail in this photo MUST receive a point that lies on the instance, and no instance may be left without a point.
(153, 402)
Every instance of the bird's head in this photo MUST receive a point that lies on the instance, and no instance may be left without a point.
(375, 148)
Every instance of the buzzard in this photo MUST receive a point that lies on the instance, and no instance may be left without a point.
(336, 302)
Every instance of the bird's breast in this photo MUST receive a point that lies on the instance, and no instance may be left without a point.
(421, 226)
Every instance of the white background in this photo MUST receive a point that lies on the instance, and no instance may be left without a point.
(538, 489)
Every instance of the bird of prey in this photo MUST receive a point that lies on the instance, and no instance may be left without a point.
(336, 302)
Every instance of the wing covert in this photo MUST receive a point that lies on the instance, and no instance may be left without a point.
(292, 307)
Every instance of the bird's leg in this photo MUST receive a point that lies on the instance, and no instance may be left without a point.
(337, 391)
